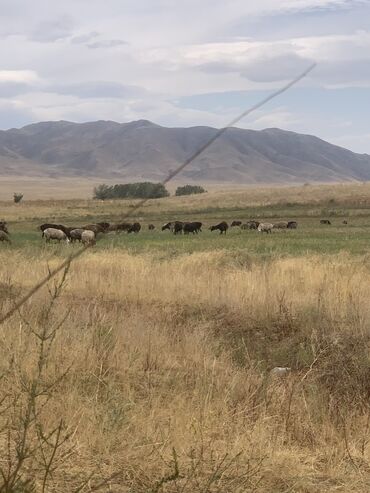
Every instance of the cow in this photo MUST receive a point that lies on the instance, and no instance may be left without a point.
(292, 225)
(325, 221)
(151, 227)
(4, 236)
(345, 222)
(235, 223)
(265, 227)
(221, 227)
(280, 225)
(88, 237)
(194, 227)
(54, 234)
(135, 228)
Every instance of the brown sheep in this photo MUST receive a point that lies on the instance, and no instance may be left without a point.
(4, 237)
(221, 227)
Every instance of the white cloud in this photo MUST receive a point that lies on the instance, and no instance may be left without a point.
(18, 76)
(123, 59)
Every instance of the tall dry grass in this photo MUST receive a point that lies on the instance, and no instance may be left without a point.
(161, 372)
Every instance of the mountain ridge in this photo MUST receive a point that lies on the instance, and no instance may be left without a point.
(143, 150)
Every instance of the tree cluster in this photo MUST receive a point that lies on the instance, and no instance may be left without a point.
(189, 190)
(143, 190)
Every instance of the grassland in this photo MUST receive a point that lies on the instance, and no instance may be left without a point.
(147, 368)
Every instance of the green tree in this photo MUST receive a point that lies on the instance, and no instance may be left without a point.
(189, 190)
(102, 192)
(140, 190)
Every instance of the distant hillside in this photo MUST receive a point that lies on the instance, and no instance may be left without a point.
(142, 150)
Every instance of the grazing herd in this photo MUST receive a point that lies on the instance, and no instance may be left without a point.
(88, 234)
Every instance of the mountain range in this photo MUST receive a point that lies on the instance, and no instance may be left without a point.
(142, 150)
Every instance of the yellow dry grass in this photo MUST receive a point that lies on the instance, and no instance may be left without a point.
(168, 381)
(72, 199)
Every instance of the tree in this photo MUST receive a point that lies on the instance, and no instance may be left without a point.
(102, 192)
(189, 190)
(140, 190)
(17, 197)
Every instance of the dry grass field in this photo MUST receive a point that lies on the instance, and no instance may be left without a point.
(146, 368)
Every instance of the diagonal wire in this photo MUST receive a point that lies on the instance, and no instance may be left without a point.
(190, 159)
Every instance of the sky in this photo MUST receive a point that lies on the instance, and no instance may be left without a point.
(195, 62)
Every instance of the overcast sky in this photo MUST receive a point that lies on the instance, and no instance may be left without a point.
(195, 62)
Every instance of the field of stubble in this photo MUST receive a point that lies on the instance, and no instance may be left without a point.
(146, 367)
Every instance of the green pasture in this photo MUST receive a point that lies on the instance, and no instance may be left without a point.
(310, 238)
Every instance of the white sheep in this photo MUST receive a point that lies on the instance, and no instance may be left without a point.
(280, 371)
(265, 227)
(88, 237)
(54, 234)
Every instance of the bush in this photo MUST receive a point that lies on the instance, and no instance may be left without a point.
(189, 190)
(17, 197)
(142, 190)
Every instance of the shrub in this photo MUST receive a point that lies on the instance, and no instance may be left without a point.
(189, 190)
(17, 197)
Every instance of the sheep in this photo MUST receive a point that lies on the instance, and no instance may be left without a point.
(54, 234)
(4, 236)
(280, 371)
(265, 227)
(221, 227)
(4, 227)
(75, 234)
(292, 225)
(88, 237)
(281, 225)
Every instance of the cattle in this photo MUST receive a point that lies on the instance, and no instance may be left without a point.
(194, 227)
(151, 227)
(75, 234)
(135, 228)
(4, 236)
(176, 227)
(265, 227)
(325, 221)
(235, 223)
(4, 227)
(166, 226)
(292, 225)
(280, 225)
(345, 222)
(221, 227)
(54, 234)
(88, 237)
